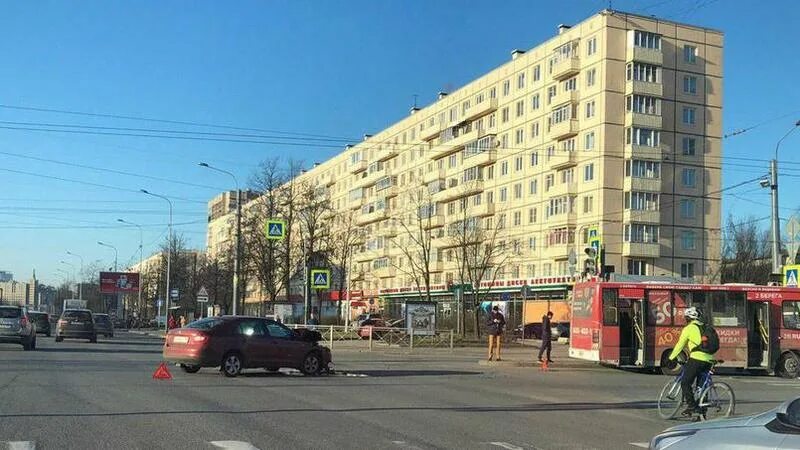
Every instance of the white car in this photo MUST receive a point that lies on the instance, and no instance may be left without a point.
(777, 428)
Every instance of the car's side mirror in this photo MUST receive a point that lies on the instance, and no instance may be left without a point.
(789, 414)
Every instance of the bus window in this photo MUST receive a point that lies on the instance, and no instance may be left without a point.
(685, 299)
(660, 309)
(610, 307)
(727, 309)
(791, 315)
(582, 298)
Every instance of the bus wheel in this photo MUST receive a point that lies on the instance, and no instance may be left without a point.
(669, 367)
(788, 366)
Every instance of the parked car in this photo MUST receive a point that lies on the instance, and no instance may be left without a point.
(103, 325)
(16, 327)
(534, 330)
(42, 322)
(367, 327)
(235, 343)
(76, 324)
(367, 316)
(775, 429)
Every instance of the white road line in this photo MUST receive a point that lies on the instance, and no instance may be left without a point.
(640, 444)
(506, 445)
(233, 445)
(406, 445)
(21, 445)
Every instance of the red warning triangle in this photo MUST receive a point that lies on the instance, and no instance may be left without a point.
(162, 373)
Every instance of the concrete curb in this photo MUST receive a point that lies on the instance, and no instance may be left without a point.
(566, 364)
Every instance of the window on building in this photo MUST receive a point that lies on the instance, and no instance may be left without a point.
(519, 136)
(520, 108)
(517, 218)
(688, 240)
(591, 46)
(549, 182)
(636, 71)
(689, 84)
(535, 102)
(452, 161)
(521, 80)
(641, 233)
(531, 270)
(532, 215)
(567, 176)
(643, 136)
(641, 201)
(503, 194)
(689, 146)
(588, 141)
(687, 270)
(518, 163)
(591, 76)
(490, 197)
(518, 191)
(533, 186)
(588, 204)
(504, 115)
(504, 140)
(547, 270)
(643, 104)
(689, 114)
(506, 87)
(492, 121)
(537, 73)
(535, 129)
(642, 169)
(570, 84)
(588, 172)
(647, 39)
(637, 267)
(534, 159)
(688, 208)
(590, 109)
(504, 168)
(690, 54)
(493, 92)
(551, 92)
(490, 173)
(688, 177)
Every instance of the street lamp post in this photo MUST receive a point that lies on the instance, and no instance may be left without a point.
(80, 274)
(169, 250)
(773, 185)
(67, 263)
(116, 253)
(141, 259)
(238, 252)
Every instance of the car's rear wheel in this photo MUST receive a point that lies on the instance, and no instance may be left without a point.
(232, 364)
(190, 368)
(312, 364)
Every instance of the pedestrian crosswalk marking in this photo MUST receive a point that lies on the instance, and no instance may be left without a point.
(506, 445)
(19, 445)
(233, 445)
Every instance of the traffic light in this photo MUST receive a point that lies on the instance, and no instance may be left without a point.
(590, 263)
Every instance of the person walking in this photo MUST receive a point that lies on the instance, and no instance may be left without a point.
(183, 321)
(495, 326)
(547, 336)
(171, 322)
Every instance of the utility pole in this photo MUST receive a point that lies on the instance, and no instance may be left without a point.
(169, 253)
(139, 304)
(80, 275)
(776, 224)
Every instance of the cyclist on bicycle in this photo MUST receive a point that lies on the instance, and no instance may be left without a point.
(699, 362)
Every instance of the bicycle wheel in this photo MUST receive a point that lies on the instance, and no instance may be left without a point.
(717, 401)
(670, 399)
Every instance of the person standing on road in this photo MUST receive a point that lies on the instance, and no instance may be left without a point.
(547, 336)
(171, 322)
(183, 321)
(699, 361)
(495, 327)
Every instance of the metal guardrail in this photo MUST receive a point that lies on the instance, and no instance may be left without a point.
(371, 337)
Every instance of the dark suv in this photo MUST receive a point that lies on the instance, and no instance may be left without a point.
(103, 325)
(76, 323)
(42, 322)
(16, 327)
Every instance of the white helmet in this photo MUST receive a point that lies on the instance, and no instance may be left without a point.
(691, 313)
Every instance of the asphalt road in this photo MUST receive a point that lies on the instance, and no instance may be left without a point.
(77, 395)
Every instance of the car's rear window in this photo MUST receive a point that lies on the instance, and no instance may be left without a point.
(205, 324)
(9, 313)
(81, 315)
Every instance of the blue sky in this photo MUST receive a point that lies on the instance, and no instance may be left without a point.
(329, 68)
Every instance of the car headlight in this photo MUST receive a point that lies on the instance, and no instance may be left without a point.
(666, 440)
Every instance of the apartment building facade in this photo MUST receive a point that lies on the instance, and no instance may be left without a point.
(221, 229)
(613, 125)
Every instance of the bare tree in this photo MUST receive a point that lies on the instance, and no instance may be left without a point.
(217, 276)
(313, 215)
(340, 250)
(746, 256)
(417, 220)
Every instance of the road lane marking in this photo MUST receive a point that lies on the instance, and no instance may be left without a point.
(233, 445)
(640, 444)
(406, 445)
(506, 445)
(21, 445)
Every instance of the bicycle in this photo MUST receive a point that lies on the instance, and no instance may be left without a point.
(716, 399)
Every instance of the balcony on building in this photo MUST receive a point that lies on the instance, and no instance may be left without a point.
(566, 66)
(358, 166)
(388, 231)
(458, 190)
(569, 219)
(641, 249)
(644, 152)
(642, 184)
(563, 159)
(372, 216)
(564, 97)
(645, 55)
(434, 221)
(375, 172)
(564, 129)
(386, 186)
(562, 189)
(364, 256)
(385, 272)
(386, 153)
(652, 121)
(436, 266)
(481, 109)
(452, 141)
(481, 152)
(644, 88)
(557, 251)
(641, 216)
(430, 131)
(434, 175)
(482, 210)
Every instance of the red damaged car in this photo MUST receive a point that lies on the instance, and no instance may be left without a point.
(234, 343)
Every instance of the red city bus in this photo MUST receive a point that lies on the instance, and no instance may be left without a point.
(638, 324)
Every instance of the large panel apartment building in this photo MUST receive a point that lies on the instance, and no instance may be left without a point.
(613, 123)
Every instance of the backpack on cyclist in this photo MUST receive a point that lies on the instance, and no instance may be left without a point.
(709, 339)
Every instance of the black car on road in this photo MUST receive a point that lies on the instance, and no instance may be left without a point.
(103, 325)
(42, 322)
(16, 327)
(77, 324)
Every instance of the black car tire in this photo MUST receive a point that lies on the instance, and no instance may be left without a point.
(189, 368)
(59, 339)
(312, 364)
(232, 364)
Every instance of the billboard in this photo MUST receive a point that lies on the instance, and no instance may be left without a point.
(421, 318)
(116, 282)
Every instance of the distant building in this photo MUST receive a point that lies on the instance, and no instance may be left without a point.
(18, 293)
(5, 277)
(222, 221)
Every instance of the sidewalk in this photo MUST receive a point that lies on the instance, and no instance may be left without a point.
(151, 333)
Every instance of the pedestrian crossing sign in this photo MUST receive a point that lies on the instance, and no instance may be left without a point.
(320, 279)
(276, 229)
(790, 275)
